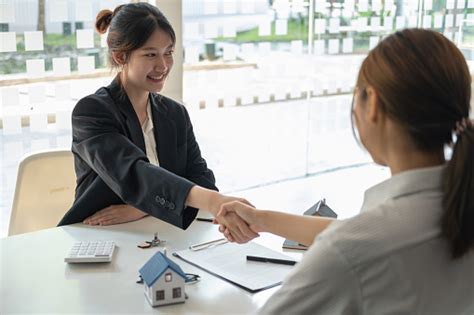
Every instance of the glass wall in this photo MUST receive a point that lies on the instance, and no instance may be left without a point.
(271, 80)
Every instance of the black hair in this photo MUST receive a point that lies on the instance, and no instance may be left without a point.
(130, 26)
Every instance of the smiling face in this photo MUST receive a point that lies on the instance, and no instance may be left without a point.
(148, 66)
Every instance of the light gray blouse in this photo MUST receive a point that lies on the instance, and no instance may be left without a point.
(389, 259)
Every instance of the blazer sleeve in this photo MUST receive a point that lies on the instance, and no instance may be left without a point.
(124, 167)
(196, 167)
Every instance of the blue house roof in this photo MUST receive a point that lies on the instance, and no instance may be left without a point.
(156, 266)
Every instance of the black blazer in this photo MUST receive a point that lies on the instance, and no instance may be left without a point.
(111, 163)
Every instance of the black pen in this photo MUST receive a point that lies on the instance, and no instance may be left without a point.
(205, 219)
(271, 260)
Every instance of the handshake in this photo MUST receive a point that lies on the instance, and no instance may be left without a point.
(240, 222)
(238, 219)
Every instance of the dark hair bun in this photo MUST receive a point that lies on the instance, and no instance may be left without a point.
(103, 20)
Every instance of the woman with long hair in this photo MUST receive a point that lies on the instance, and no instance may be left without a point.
(411, 249)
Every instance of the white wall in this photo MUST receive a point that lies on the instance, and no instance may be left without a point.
(174, 85)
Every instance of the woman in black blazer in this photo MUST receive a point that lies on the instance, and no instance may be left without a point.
(134, 150)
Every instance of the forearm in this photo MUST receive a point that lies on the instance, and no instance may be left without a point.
(302, 229)
(203, 198)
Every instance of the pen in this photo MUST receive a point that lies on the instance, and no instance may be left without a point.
(271, 260)
(209, 244)
(205, 219)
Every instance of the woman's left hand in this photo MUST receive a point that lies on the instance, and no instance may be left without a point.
(115, 214)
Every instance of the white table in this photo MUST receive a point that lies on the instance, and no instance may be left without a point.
(34, 277)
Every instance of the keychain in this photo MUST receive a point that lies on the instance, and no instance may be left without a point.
(153, 243)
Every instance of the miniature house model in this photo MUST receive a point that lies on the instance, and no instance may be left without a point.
(163, 281)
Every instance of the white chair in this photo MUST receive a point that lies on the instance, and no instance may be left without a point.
(44, 191)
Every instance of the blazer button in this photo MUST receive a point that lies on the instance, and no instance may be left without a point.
(167, 204)
(157, 199)
(162, 201)
(171, 206)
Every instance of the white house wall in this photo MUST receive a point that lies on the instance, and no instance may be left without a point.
(176, 282)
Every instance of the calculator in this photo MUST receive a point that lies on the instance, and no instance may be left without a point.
(91, 252)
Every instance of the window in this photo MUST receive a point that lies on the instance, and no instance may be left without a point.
(176, 293)
(275, 63)
(168, 277)
(250, 67)
(160, 295)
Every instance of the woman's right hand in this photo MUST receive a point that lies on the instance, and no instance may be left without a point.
(247, 213)
(202, 198)
(219, 199)
(237, 229)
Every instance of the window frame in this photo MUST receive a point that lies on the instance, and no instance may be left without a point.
(160, 295)
(177, 293)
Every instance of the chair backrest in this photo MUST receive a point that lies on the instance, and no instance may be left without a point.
(44, 191)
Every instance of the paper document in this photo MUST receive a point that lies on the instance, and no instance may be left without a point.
(229, 262)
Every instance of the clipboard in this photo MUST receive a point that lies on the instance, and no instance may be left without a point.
(320, 208)
(228, 261)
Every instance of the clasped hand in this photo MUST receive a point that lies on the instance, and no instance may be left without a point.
(238, 221)
(233, 226)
